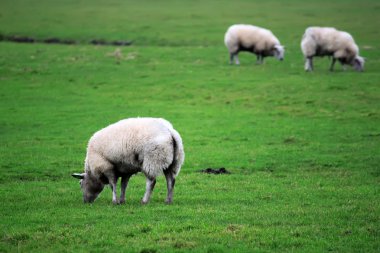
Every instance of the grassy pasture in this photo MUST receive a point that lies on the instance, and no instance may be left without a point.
(303, 148)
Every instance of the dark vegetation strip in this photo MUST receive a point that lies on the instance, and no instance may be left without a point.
(215, 171)
(53, 40)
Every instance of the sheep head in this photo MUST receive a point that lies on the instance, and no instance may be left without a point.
(91, 187)
(358, 63)
(278, 52)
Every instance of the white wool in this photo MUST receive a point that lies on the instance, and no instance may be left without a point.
(145, 144)
(248, 35)
(322, 41)
(254, 39)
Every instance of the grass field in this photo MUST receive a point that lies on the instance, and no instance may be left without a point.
(303, 149)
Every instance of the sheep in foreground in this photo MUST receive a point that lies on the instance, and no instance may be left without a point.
(253, 39)
(327, 41)
(148, 145)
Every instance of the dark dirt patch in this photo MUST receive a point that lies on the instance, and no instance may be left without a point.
(69, 42)
(58, 41)
(54, 40)
(19, 39)
(372, 135)
(347, 232)
(215, 171)
(121, 43)
(103, 42)
(98, 42)
(290, 140)
(148, 251)
(183, 244)
(371, 114)
(145, 229)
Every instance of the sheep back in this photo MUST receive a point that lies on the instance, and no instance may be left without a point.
(249, 36)
(321, 41)
(132, 145)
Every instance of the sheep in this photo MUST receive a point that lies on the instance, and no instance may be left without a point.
(322, 41)
(129, 146)
(254, 39)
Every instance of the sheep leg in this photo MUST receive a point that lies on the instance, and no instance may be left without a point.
(237, 62)
(124, 184)
(150, 183)
(170, 182)
(231, 58)
(112, 180)
(309, 64)
(113, 183)
(258, 59)
(332, 64)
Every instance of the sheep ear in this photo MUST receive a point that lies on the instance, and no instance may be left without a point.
(278, 47)
(78, 175)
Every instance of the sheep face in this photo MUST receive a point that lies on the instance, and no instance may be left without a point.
(358, 63)
(91, 187)
(278, 52)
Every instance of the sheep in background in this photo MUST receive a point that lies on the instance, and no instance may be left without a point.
(148, 145)
(253, 39)
(322, 41)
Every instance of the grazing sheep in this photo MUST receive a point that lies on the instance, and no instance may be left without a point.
(253, 39)
(322, 41)
(148, 145)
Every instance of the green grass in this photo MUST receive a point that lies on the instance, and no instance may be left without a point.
(303, 148)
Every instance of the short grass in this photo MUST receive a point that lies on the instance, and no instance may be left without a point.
(303, 148)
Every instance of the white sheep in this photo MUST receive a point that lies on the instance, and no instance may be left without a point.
(327, 41)
(253, 39)
(148, 145)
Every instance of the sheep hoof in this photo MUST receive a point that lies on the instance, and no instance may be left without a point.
(144, 202)
(168, 201)
(115, 202)
(122, 201)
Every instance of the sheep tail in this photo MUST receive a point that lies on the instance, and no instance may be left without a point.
(178, 153)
